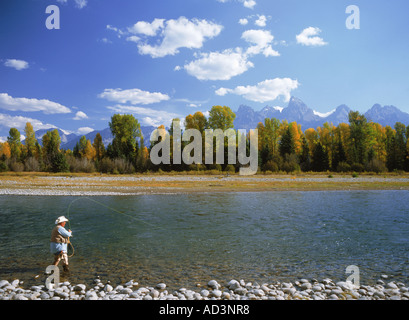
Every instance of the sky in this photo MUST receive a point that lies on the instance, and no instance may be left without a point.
(73, 68)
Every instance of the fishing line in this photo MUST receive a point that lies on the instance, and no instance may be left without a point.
(108, 207)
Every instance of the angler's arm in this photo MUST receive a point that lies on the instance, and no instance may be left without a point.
(66, 234)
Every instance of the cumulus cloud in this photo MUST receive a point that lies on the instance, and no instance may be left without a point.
(231, 62)
(16, 64)
(146, 28)
(261, 21)
(267, 90)
(249, 3)
(133, 96)
(80, 116)
(31, 105)
(19, 122)
(261, 40)
(174, 34)
(246, 3)
(309, 37)
(78, 3)
(219, 65)
(84, 130)
(146, 116)
(243, 21)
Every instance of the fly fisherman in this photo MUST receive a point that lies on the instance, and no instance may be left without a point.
(59, 239)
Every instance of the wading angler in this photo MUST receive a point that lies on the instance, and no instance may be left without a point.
(238, 146)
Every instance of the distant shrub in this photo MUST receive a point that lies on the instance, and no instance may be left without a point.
(357, 167)
(3, 167)
(80, 165)
(32, 165)
(271, 166)
(376, 166)
(343, 167)
(355, 175)
(290, 163)
(230, 168)
(16, 166)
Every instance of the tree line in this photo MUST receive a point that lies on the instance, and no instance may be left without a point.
(357, 146)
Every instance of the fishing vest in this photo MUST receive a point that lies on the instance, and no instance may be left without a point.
(57, 237)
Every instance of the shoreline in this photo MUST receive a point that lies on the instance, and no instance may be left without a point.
(302, 289)
(110, 185)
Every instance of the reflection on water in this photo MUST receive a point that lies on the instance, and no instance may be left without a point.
(187, 239)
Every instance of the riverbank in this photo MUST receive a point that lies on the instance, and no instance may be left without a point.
(96, 184)
(302, 289)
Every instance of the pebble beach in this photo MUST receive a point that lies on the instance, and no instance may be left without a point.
(303, 289)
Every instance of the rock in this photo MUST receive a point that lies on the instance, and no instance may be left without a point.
(4, 283)
(216, 293)
(205, 293)
(391, 285)
(126, 291)
(80, 287)
(161, 286)
(306, 285)
(213, 284)
(108, 288)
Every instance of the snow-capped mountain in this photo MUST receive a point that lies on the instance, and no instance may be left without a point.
(297, 110)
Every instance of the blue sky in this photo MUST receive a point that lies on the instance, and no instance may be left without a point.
(162, 59)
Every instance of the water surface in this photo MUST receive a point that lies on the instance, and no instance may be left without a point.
(186, 239)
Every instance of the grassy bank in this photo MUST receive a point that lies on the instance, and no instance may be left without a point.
(187, 182)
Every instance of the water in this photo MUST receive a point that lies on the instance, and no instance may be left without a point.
(191, 238)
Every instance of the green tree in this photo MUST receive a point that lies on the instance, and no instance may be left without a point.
(221, 118)
(99, 147)
(359, 137)
(320, 161)
(14, 142)
(286, 145)
(30, 139)
(125, 130)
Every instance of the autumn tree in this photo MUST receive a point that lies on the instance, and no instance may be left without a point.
(99, 147)
(14, 142)
(221, 118)
(125, 130)
(30, 140)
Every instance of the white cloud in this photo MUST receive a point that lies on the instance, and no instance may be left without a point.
(261, 21)
(133, 96)
(219, 65)
(19, 122)
(232, 62)
(119, 32)
(80, 116)
(31, 105)
(249, 3)
(16, 64)
(267, 90)
(78, 3)
(175, 34)
(309, 37)
(84, 130)
(146, 116)
(135, 39)
(146, 28)
(243, 21)
(262, 40)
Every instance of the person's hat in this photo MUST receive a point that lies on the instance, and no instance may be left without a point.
(61, 219)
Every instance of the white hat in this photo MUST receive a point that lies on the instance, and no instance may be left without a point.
(61, 219)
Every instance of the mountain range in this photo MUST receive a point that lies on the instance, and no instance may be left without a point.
(247, 118)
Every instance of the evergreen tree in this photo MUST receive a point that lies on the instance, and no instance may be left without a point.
(320, 160)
